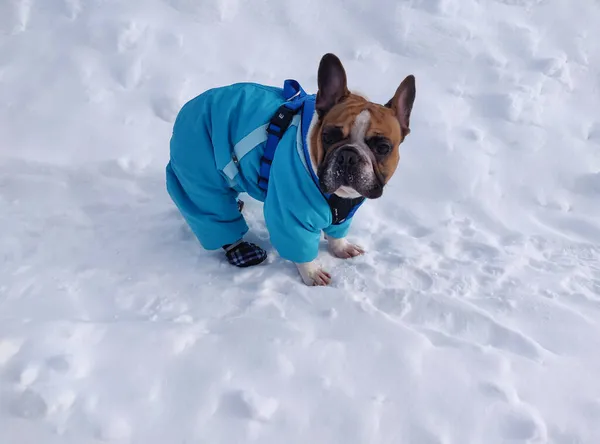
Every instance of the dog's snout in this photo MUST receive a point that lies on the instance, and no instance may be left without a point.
(347, 157)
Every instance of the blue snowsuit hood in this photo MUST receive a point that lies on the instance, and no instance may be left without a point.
(217, 143)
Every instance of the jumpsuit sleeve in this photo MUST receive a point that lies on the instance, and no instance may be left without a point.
(294, 239)
(338, 231)
(295, 211)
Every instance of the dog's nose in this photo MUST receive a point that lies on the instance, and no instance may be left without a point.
(347, 157)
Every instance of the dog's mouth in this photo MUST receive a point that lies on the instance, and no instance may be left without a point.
(346, 168)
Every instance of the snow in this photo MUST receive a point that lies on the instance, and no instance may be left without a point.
(474, 317)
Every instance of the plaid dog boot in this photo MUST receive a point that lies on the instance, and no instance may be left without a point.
(244, 254)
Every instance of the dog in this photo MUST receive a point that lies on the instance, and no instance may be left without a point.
(338, 149)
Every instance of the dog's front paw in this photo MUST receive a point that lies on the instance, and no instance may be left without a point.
(320, 278)
(343, 249)
(312, 274)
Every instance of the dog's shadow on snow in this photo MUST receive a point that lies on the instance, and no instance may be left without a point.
(109, 219)
(142, 226)
(138, 227)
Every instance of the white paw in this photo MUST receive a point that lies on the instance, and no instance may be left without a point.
(313, 274)
(343, 249)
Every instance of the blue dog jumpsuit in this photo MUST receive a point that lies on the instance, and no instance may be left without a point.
(216, 147)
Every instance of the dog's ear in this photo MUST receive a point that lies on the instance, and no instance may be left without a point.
(332, 84)
(402, 102)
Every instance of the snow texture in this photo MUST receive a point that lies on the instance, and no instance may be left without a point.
(473, 318)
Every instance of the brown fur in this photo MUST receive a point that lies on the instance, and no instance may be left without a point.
(383, 122)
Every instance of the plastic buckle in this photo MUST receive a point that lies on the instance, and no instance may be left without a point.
(281, 120)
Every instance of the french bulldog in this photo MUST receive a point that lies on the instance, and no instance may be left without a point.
(339, 150)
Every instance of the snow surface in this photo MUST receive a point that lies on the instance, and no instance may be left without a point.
(474, 317)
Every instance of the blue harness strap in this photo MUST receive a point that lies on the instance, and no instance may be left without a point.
(298, 101)
(279, 123)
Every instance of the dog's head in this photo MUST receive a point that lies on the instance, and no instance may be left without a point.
(355, 143)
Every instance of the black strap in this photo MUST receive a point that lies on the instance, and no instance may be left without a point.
(342, 208)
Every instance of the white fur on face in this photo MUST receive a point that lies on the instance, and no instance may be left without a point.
(360, 127)
(347, 192)
(358, 133)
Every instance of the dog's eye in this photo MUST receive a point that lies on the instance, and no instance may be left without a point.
(332, 134)
(380, 145)
(383, 148)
